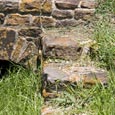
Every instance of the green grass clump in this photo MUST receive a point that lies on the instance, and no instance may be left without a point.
(106, 6)
(20, 93)
(104, 36)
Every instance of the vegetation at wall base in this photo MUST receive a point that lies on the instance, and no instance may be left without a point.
(106, 6)
(20, 93)
(104, 35)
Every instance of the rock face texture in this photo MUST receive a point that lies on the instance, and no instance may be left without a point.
(19, 39)
(21, 23)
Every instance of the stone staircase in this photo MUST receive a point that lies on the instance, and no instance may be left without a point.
(67, 61)
(66, 56)
(63, 28)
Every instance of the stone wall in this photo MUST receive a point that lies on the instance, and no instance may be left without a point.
(19, 38)
(21, 22)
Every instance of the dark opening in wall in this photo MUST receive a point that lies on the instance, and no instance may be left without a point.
(5, 66)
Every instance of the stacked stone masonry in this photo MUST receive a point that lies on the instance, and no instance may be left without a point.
(45, 12)
(21, 23)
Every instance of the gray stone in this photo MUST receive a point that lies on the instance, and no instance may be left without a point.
(9, 5)
(54, 74)
(91, 4)
(67, 4)
(84, 14)
(69, 23)
(61, 47)
(62, 14)
(74, 73)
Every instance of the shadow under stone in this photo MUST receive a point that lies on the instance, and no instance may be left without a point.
(5, 66)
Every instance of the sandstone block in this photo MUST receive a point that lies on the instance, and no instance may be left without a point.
(67, 4)
(91, 4)
(47, 6)
(7, 40)
(9, 5)
(61, 47)
(2, 18)
(17, 20)
(68, 22)
(85, 14)
(43, 21)
(74, 74)
(25, 53)
(62, 14)
(30, 6)
(30, 32)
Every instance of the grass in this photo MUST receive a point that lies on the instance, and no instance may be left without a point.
(104, 36)
(19, 93)
(106, 6)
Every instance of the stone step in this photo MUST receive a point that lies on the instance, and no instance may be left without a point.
(66, 43)
(61, 74)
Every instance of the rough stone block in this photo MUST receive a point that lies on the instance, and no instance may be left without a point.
(91, 4)
(25, 53)
(30, 32)
(17, 20)
(44, 21)
(75, 74)
(62, 14)
(9, 5)
(7, 40)
(68, 22)
(47, 6)
(2, 18)
(30, 6)
(67, 4)
(85, 14)
(61, 47)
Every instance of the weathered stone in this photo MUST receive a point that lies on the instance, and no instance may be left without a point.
(89, 4)
(30, 32)
(17, 20)
(55, 48)
(9, 5)
(43, 21)
(17, 49)
(85, 14)
(88, 75)
(36, 6)
(35, 40)
(2, 18)
(68, 22)
(62, 14)
(54, 74)
(72, 73)
(7, 40)
(47, 6)
(67, 4)
(30, 6)
(56, 40)
(25, 53)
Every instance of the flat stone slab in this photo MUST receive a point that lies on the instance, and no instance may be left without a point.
(73, 73)
(63, 43)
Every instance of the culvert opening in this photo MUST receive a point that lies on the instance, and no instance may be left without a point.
(6, 66)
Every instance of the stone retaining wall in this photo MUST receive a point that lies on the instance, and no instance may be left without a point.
(45, 12)
(21, 22)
